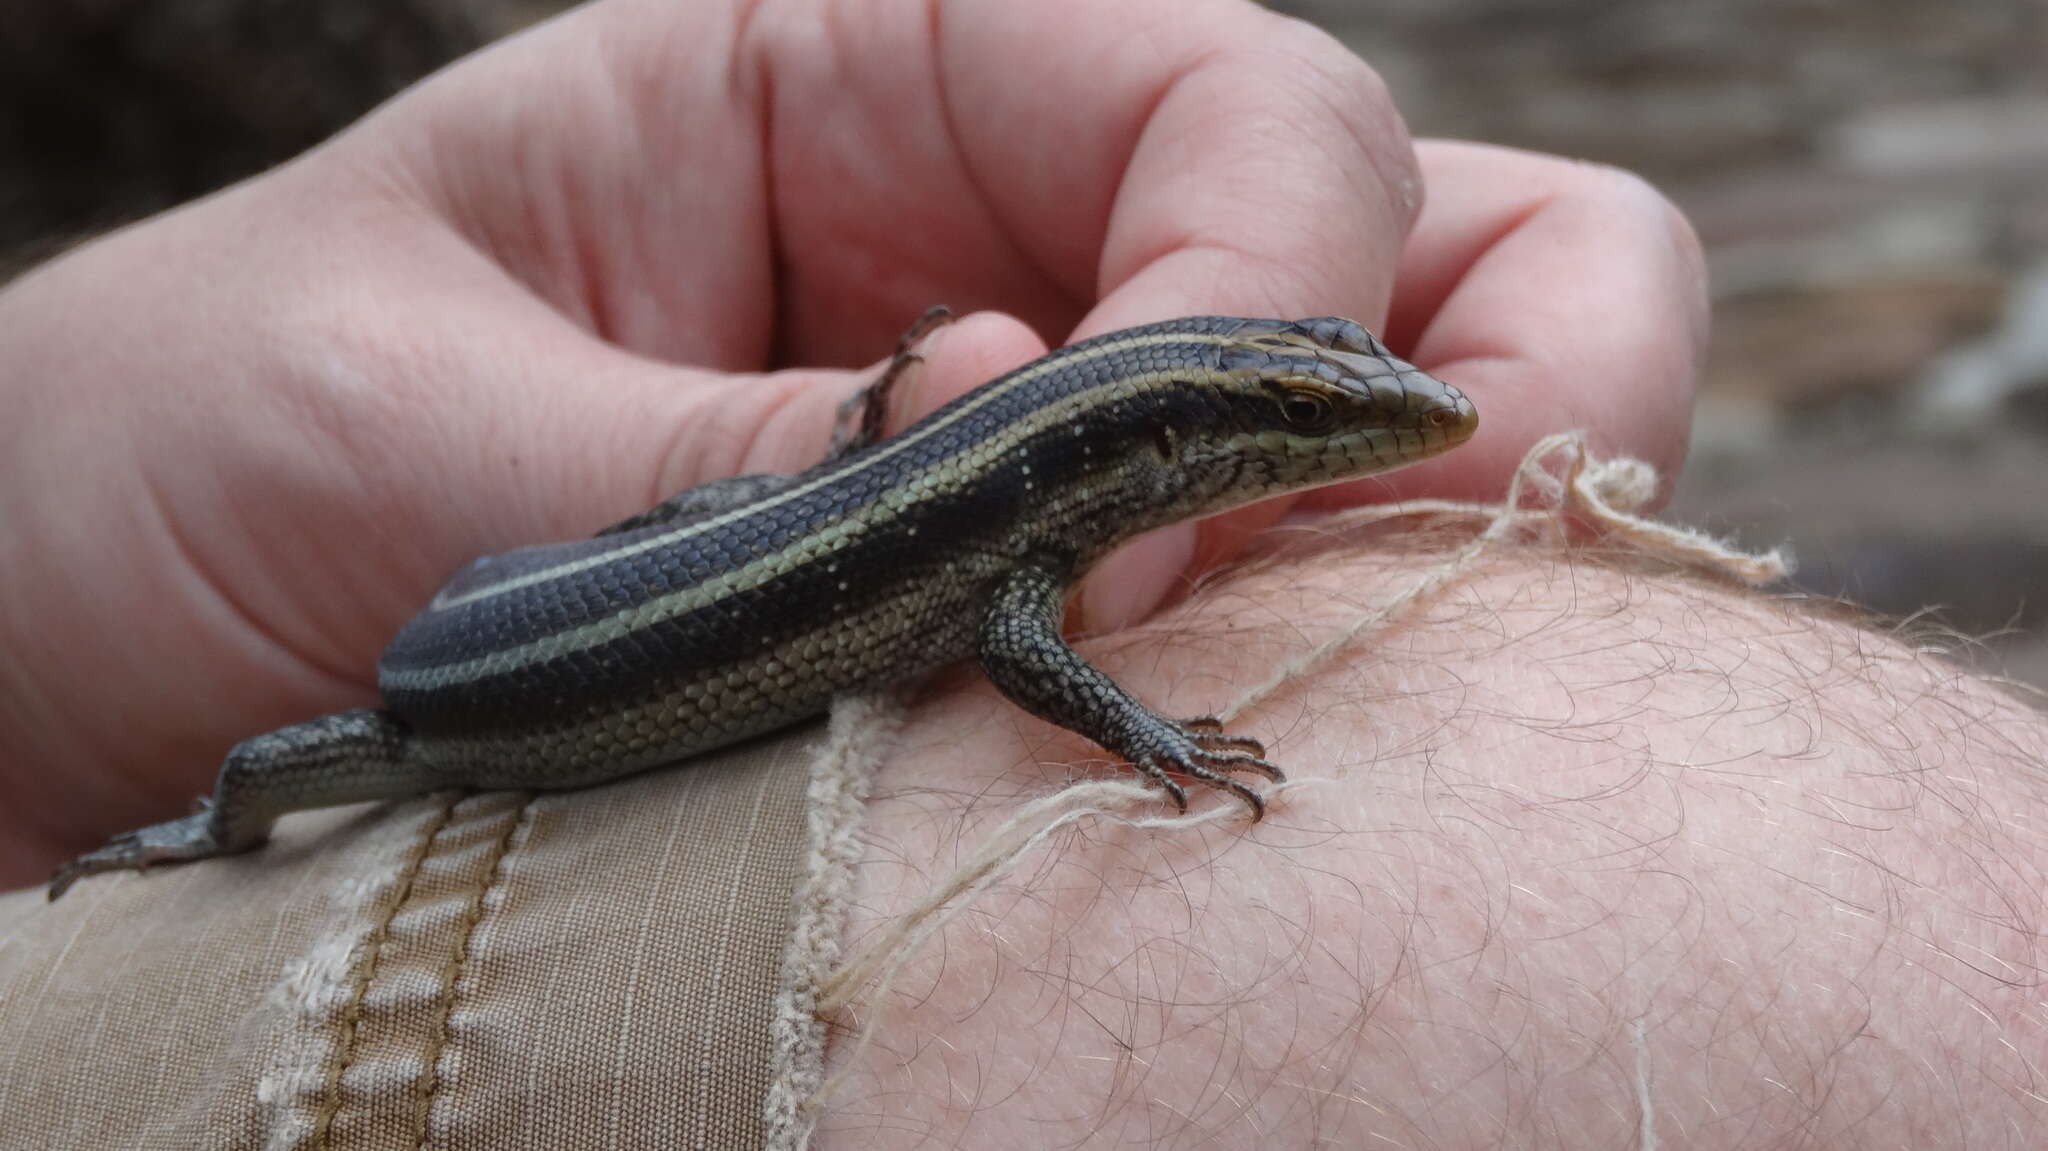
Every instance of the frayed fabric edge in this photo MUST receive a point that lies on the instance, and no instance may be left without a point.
(861, 731)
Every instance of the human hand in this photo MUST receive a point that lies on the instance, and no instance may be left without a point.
(248, 438)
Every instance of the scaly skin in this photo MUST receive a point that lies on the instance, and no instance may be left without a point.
(746, 605)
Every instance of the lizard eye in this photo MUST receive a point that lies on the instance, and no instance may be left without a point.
(1306, 411)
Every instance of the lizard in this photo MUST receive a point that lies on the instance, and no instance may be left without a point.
(748, 604)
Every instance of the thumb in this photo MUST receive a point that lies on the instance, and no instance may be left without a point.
(721, 425)
(663, 430)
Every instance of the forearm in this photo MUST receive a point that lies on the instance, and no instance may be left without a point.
(1593, 846)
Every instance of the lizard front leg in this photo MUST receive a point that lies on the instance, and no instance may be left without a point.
(347, 757)
(1023, 654)
(865, 414)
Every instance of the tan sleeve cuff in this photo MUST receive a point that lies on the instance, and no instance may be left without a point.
(598, 968)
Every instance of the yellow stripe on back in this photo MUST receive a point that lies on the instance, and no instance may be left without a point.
(827, 536)
(888, 450)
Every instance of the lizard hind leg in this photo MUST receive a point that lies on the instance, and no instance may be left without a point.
(192, 837)
(342, 758)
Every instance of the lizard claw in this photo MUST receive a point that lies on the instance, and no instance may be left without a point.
(1207, 731)
(1200, 749)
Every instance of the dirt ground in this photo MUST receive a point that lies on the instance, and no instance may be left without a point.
(1870, 178)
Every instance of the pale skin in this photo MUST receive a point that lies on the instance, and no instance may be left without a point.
(601, 263)
(1592, 860)
(592, 266)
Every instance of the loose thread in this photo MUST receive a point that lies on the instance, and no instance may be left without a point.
(1539, 503)
(1603, 492)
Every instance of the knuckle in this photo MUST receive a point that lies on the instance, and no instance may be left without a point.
(1632, 197)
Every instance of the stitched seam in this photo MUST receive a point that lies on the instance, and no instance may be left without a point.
(366, 973)
(451, 974)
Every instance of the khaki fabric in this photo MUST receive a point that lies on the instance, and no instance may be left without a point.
(583, 969)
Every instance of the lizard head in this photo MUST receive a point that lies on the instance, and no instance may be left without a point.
(1304, 403)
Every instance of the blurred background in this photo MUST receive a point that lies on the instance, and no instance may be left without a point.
(1870, 178)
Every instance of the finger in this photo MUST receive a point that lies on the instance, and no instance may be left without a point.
(958, 358)
(661, 430)
(714, 424)
(1200, 156)
(529, 426)
(1272, 178)
(1557, 295)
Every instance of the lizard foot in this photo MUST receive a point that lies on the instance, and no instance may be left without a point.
(1200, 749)
(865, 414)
(192, 837)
